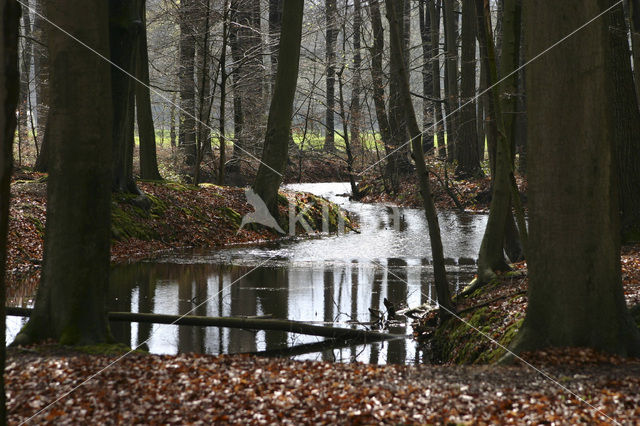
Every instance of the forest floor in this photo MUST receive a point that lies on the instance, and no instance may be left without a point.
(580, 386)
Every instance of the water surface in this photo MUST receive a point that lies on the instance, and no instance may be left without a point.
(335, 280)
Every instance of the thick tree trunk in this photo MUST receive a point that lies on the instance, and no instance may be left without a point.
(124, 30)
(440, 275)
(275, 23)
(71, 300)
(331, 37)
(491, 256)
(146, 130)
(634, 21)
(274, 156)
(627, 128)
(248, 75)
(9, 84)
(451, 76)
(467, 148)
(509, 62)
(397, 119)
(575, 289)
(205, 94)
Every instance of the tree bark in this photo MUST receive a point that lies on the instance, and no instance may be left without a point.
(25, 74)
(275, 23)
(435, 7)
(627, 128)
(248, 76)
(146, 130)
(377, 77)
(467, 148)
(428, 107)
(440, 275)
(451, 80)
(71, 298)
(41, 73)
(491, 256)
(575, 289)
(124, 30)
(9, 95)
(332, 36)
(274, 156)
(187, 114)
(356, 85)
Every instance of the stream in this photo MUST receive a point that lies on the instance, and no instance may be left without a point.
(336, 280)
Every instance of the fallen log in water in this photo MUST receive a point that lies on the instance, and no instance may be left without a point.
(249, 323)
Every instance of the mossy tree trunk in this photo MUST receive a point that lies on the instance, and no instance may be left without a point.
(575, 289)
(274, 155)
(71, 300)
(9, 84)
(146, 130)
(440, 275)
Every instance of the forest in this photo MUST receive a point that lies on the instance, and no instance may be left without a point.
(320, 211)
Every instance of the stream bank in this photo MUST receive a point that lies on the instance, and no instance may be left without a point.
(173, 216)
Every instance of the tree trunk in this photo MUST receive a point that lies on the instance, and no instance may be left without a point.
(146, 130)
(451, 81)
(248, 76)
(332, 35)
(274, 156)
(509, 62)
(428, 106)
(377, 77)
(223, 94)
(275, 22)
(124, 29)
(435, 6)
(397, 119)
(356, 85)
(440, 276)
(9, 96)
(491, 256)
(205, 94)
(25, 74)
(634, 21)
(187, 114)
(467, 148)
(70, 304)
(627, 128)
(575, 289)
(41, 73)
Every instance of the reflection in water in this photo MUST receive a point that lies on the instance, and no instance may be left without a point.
(339, 295)
(334, 280)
